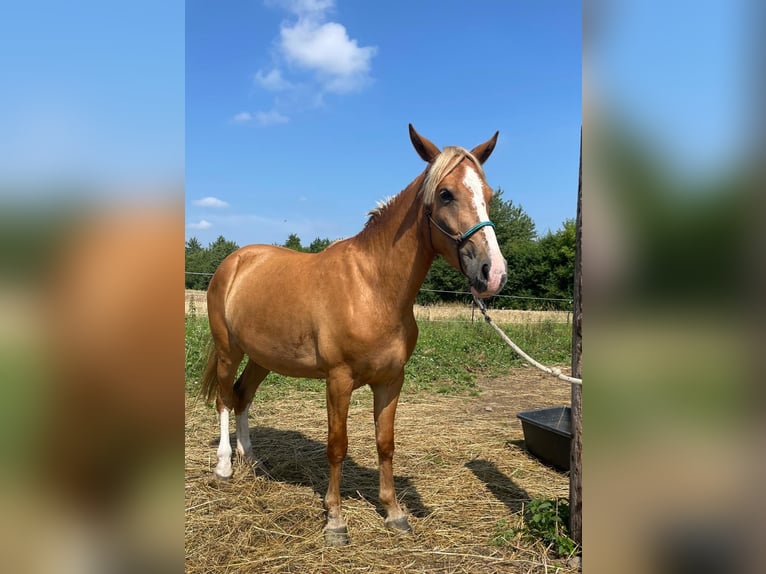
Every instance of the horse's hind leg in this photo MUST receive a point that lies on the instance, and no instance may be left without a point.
(244, 390)
(228, 361)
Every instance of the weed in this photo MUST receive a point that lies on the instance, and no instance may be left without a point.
(434, 459)
(504, 534)
(196, 342)
(546, 520)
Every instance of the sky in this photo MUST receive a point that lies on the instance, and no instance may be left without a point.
(297, 110)
(677, 75)
(293, 114)
(92, 94)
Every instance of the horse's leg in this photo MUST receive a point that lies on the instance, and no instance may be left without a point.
(386, 398)
(228, 361)
(244, 390)
(339, 388)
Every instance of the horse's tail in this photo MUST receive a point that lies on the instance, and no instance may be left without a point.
(209, 383)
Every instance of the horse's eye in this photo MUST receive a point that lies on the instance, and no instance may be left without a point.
(446, 195)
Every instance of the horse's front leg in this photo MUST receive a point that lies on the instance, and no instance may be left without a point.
(339, 388)
(386, 398)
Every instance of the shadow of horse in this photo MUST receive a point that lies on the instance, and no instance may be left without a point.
(501, 486)
(291, 457)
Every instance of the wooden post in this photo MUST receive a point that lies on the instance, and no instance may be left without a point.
(575, 466)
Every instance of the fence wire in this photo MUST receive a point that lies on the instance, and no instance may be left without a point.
(468, 296)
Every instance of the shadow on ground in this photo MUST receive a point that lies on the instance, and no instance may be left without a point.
(501, 486)
(293, 458)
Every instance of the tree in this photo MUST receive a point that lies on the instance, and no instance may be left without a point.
(201, 262)
(294, 242)
(194, 262)
(441, 277)
(557, 254)
(543, 268)
(513, 226)
(319, 245)
(516, 237)
(220, 249)
(193, 245)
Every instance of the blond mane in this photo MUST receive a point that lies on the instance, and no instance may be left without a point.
(380, 207)
(444, 163)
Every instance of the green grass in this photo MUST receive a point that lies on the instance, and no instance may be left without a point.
(450, 355)
(448, 358)
(546, 520)
(196, 341)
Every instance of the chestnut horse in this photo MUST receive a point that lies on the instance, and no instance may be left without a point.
(345, 314)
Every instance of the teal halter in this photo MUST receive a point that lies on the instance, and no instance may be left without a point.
(460, 238)
(466, 234)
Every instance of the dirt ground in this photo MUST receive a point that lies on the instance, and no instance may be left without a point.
(460, 469)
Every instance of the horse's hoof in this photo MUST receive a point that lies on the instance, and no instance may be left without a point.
(400, 525)
(336, 536)
(219, 476)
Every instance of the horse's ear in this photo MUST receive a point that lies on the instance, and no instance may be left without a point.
(483, 151)
(425, 148)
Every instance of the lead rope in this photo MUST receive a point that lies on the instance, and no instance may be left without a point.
(554, 372)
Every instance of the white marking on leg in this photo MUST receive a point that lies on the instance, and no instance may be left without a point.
(244, 446)
(473, 182)
(223, 469)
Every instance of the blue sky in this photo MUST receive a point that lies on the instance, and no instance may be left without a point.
(139, 92)
(297, 110)
(92, 94)
(677, 74)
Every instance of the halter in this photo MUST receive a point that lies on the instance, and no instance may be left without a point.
(459, 238)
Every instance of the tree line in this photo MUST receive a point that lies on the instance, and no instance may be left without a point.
(540, 268)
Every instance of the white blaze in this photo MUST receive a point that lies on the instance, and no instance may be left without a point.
(473, 182)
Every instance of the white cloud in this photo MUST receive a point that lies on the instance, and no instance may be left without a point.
(270, 118)
(242, 118)
(272, 81)
(203, 224)
(341, 64)
(311, 42)
(312, 57)
(210, 202)
(305, 7)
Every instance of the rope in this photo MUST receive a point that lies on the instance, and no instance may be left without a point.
(554, 372)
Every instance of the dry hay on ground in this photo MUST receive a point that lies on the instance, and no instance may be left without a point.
(460, 467)
(457, 312)
(196, 302)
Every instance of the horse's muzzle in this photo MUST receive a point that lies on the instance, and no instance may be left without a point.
(486, 277)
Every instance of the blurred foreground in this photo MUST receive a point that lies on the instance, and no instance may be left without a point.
(91, 358)
(91, 229)
(673, 290)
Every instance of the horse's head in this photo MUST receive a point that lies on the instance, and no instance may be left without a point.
(456, 198)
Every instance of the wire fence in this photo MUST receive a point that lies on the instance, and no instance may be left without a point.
(459, 306)
(428, 297)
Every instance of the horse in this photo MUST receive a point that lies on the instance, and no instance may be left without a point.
(346, 314)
